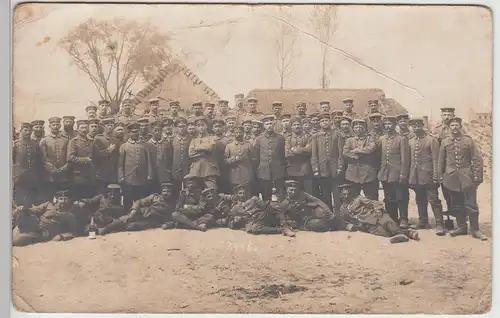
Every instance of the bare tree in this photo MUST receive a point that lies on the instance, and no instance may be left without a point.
(115, 53)
(285, 46)
(324, 20)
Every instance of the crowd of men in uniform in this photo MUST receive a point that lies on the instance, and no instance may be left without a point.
(216, 166)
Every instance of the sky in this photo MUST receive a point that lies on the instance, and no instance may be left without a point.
(425, 57)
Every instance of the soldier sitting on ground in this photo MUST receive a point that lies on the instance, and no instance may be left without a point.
(359, 213)
(238, 218)
(304, 211)
(45, 222)
(217, 204)
(150, 212)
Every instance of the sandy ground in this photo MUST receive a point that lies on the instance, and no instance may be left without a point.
(224, 271)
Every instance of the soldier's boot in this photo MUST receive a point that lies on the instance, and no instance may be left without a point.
(438, 216)
(392, 210)
(168, 225)
(403, 215)
(474, 227)
(115, 226)
(461, 224)
(287, 231)
(423, 220)
(182, 219)
(411, 234)
(266, 230)
(140, 226)
(399, 238)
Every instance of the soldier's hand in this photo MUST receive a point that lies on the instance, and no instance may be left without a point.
(111, 147)
(316, 174)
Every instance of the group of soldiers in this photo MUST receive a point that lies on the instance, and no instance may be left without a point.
(216, 166)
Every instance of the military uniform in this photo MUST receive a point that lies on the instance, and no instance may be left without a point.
(54, 149)
(256, 217)
(104, 209)
(239, 160)
(298, 160)
(105, 159)
(461, 167)
(203, 159)
(180, 160)
(190, 211)
(80, 159)
(161, 156)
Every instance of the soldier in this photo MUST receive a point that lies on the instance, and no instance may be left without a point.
(126, 114)
(239, 160)
(175, 110)
(336, 116)
(91, 112)
(376, 129)
(301, 110)
(298, 156)
(239, 105)
(442, 130)
(209, 110)
(153, 211)
(402, 128)
(327, 161)
(306, 126)
(135, 167)
(190, 209)
(277, 109)
(103, 109)
(45, 222)
(197, 109)
(191, 127)
(461, 169)
(360, 155)
(316, 127)
(362, 214)
(105, 156)
(168, 128)
(247, 128)
(161, 151)
(223, 108)
(344, 133)
(26, 168)
(119, 132)
(270, 159)
(252, 108)
(238, 218)
(54, 152)
(144, 134)
(286, 130)
(202, 153)
(263, 217)
(304, 211)
(374, 108)
(324, 107)
(424, 175)
(68, 127)
(217, 204)
(93, 129)
(222, 141)
(80, 160)
(180, 157)
(231, 125)
(394, 170)
(257, 128)
(154, 106)
(348, 108)
(38, 130)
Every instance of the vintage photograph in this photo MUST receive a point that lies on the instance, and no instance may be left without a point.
(209, 158)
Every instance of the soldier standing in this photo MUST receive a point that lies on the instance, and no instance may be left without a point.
(402, 128)
(286, 130)
(26, 168)
(80, 160)
(239, 159)
(135, 168)
(103, 109)
(424, 175)
(348, 108)
(315, 126)
(105, 156)
(191, 127)
(91, 112)
(54, 149)
(222, 141)
(324, 107)
(374, 108)
(154, 106)
(360, 154)
(298, 156)
(277, 109)
(196, 109)
(270, 159)
(393, 173)
(223, 108)
(38, 130)
(180, 150)
(336, 116)
(161, 151)
(253, 112)
(301, 110)
(68, 127)
(231, 125)
(376, 129)
(202, 153)
(256, 129)
(93, 129)
(168, 128)
(144, 135)
(306, 126)
(247, 127)
(126, 114)
(239, 105)
(327, 161)
(175, 110)
(461, 167)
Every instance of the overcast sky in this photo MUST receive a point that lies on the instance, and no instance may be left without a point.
(436, 56)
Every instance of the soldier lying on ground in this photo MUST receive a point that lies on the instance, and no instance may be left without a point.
(262, 217)
(152, 211)
(217, 204)
(45, 222)
(304, 211)
(362, 214)
(105, 208)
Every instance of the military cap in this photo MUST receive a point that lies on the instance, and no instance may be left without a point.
(54, 120)
(90, 107)
(347, 100)
(201, 118)
(223, 102)
(257, 121)
(346, 118)
(69, 117)
(82, 122)
(416, 120)
(26, 125)
(324, 102)
(447, 110)
(167, 121)
(346, 186)
(358, 120)
(209, 104)
(455, 119)
(208, 190)
(165, 185)
(119, 124)
(324, 115)
(286, 115)
(103, 101)
(375, 115)
(229, 117)
(38, 122)
(219, 121)
(291, 183)
(197, 103)
(268, 118)
(155, 99)
(306, 120)
(180, 120)
(402, 116)
(143, 120)
(252, 100)
(157, 123)
(240, 186)
(94, 121)
(373, 102)
(338, 113)
(108, 120)
(246, 120)
(126, 100)
(190, 177)
(191, 120)
(132, 125)
(295, 120)
(314, 115)
(174, 103)
(299, 104)
(390, 118)
(62, 193)
(277, 103)
(239, 95)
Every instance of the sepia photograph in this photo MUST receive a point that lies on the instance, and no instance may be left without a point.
(244, 158)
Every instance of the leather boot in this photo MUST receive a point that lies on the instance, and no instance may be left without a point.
(181, 218)
(461, 224)
(412, 234)
(438, 216)
(267, 230)
(474, 227)
(423, 220)
(392, 210)
(403, 214)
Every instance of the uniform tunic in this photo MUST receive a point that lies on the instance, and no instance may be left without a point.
(202, 152)
(26, 163)
(270, 156)
(155, 207)
(79, 150)
(180, 159)
(53, 220)
(70, 135)
(364, 168)
(298, 160)
(326, 156)
(460, 163)
(241, 170)
(307, 207)
(161, 155)
(106, 161)
(395, 160)
(134, 164)
(54, 151)
(424, 154)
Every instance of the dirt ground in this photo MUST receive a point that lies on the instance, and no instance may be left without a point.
(224, 271)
